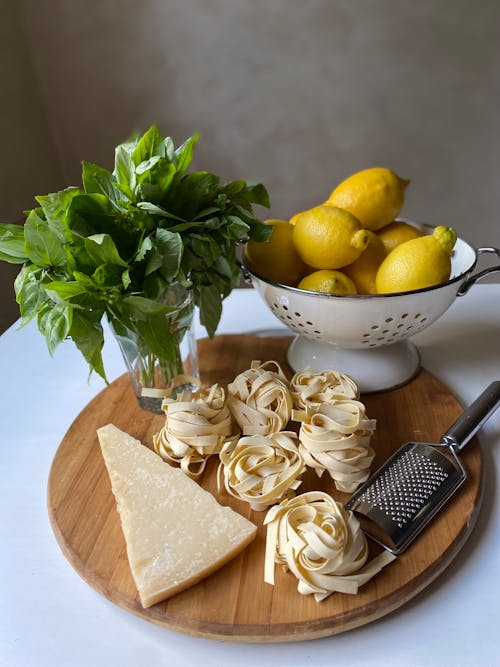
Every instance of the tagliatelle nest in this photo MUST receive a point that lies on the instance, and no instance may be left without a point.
(260, 400)
(261, 470)
(337, 438)
(321, 544)
(311, 388)
(195, 428)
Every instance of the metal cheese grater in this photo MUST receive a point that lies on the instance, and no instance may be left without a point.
(398, 500)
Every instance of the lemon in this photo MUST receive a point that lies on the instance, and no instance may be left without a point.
(418, 263)
(397, 232)
(327, 237)
(276, 259)
(364, 270)
(330, 282)
(375, 196)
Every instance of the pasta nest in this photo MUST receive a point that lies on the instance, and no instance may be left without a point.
(321, 544)
(259, 399)
(309, 389)
(195, 428)
(336, 438)
(261, 470)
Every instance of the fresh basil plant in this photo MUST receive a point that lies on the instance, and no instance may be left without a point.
(112, 246)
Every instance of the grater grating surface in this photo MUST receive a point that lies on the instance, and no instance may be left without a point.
(398, 501)
(403, 496)
(405, 486)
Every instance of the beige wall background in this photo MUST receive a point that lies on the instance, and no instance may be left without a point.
(295, 94)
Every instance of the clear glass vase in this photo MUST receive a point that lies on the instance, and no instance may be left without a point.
(156, 376)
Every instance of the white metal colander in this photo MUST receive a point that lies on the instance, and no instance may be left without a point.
(366, 336)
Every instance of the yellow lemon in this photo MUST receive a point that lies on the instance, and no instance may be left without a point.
(418, 263)
(375, 196)
(276, 259)
(396, 233)
(329, 282)
(364, 270)
(327, 237)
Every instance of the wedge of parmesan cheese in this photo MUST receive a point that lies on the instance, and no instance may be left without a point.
(176, 532)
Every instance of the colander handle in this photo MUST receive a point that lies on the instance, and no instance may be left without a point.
(473, 417)
(245, 272)
(468, 282)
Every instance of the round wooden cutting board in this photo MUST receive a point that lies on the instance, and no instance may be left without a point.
(234, 603)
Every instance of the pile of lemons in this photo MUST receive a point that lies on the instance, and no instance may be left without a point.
(352, 244)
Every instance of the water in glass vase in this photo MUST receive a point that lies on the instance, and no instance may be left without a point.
(166, 364)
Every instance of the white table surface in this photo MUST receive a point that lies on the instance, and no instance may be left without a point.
(49, 616)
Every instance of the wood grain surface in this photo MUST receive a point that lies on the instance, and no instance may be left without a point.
(235, 604)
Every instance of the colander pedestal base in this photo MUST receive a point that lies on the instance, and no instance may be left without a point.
(373, 369)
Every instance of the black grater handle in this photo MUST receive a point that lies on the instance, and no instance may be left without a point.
(473, 417)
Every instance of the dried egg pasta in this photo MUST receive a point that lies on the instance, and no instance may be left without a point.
(321, 544)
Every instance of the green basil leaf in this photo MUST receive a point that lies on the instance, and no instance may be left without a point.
(65, 290)
(55, 207)
(210, 304)
(169, 149)
(184, 154)
(259, 231)
(166, 255)
(124, 172)
(85, 280)
(154, 285)
(97, 180)
(102, 250)
(205, 246)
(154, 209)
(155, 331)
(89, 214)
(256, 193)
(145, 247)
(12, 244)
(237, 229)
(75, 293)
(140, 308)
(108, 275)
(233, 188)
(126, 280)
(146, 166)
(155, 180)
(191, 193)
(30, 292)
(245, 193)
(149, 145)
(87, 334)
(55, 324)
(43, 246)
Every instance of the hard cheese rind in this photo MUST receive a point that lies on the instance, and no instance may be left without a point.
(176, 532)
